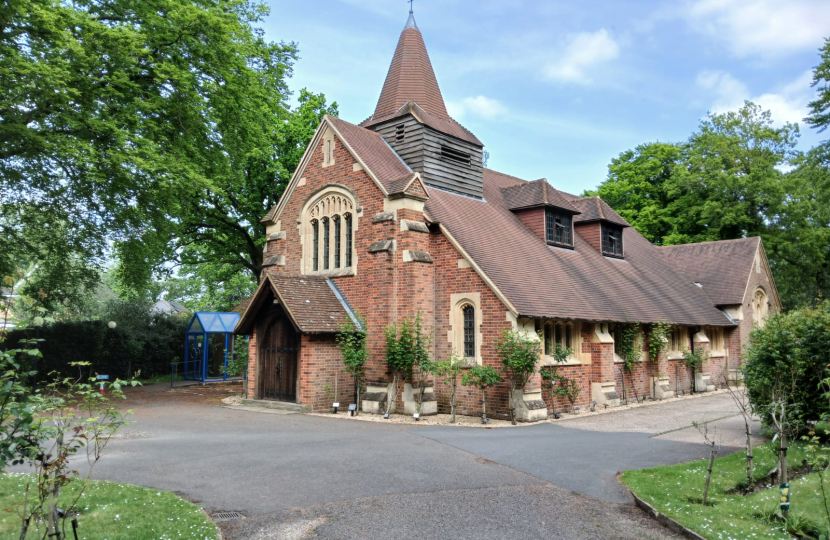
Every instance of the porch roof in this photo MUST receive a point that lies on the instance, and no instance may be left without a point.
(314, 304)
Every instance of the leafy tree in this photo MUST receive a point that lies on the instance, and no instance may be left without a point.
(407, 352)
(786, 362)
(352, 343)
(160, 129)
(728, 181)
(482, 377)
(448, 370)
(820, 108)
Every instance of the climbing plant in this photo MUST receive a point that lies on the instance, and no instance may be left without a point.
(407, 352)
(629, 343)
(658, 339)
(352, 342)
(551, 378)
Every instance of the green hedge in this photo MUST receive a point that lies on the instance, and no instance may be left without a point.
(142, 341)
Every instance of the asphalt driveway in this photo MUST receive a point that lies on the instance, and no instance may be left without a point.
(298, 476)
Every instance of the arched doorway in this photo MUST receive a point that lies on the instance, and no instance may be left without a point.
(277, 359)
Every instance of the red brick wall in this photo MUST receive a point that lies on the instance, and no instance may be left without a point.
(320, 361)
(252, 358)
(534, 218)
(591, 232)
(450, 279)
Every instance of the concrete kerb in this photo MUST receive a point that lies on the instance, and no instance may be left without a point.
(665, 520)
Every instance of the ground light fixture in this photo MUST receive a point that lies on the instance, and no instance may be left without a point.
(352, 409)
(594, 406)
(335, 406)
(386, 416)
(111, 325)
(416, 416)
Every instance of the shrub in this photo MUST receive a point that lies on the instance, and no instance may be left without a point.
(789, 355)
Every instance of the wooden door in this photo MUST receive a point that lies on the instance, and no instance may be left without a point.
(278, 361)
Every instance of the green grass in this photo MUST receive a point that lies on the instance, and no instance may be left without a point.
(161, 379)
(113, 512)
(676, 491)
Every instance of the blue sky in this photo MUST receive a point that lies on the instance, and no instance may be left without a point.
(556, 89)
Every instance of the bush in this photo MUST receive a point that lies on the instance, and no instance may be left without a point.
(788, 357)
(141, 341)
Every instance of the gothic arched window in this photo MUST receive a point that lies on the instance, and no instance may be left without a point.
(760, 307)
(469, 331)
(328, 228)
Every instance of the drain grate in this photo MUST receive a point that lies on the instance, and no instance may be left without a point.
(227, 516)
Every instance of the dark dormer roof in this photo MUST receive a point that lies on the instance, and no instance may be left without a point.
(536, 193)
(595, 209)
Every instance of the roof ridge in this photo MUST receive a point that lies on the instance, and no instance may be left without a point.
(688, 244)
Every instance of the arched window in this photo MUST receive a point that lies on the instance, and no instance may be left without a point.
(328, 225)
(469, 331)
(760, 307)
(559, 333)
(315, 254)
(325, 243)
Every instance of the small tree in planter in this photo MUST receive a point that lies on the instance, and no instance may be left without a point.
(482, 377)
(352, 343)
(694, 360)
(550, 374)
(519, 355)
(448, 371)
(407, 351)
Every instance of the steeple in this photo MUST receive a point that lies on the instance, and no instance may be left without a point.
(410, 77)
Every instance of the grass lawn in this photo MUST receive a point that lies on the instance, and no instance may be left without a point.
(113, 512)
(677, 491)
(161, 379)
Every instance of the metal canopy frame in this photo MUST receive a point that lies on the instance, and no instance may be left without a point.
(203, 325)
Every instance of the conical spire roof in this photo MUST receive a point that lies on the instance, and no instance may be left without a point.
(410, 77)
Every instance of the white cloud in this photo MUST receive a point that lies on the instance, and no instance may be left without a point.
(787, 104)
(583, 52)
(761, 27)
(482, 106)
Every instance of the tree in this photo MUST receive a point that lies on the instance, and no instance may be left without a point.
(728, 181)
(352, 343)
(519, 355)
(448, 370)
(820, 108)
(482, 377)
(159, 129)
(407, 353)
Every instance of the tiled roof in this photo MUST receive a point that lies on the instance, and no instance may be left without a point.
(579, 284)
(309, 301)
(595, 209)
(535, 193)
(722, 267)
(446, 125)
(410, 77)
(397, 187)
(242, 306)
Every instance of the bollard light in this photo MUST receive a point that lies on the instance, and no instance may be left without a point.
(352, 409)
(335, 406)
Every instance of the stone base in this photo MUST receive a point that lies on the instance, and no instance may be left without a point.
(605, 394)
(703, 382)
(528, 406)
(376, 397)
(429, 403)
(660, 388)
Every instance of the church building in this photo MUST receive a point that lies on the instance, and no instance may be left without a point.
(397, 216)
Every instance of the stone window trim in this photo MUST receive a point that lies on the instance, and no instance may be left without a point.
(678, 342)
(717, 341)
(455, 335)
(567, 329)
(328, 147)
(643, 352)
(760, 307)
(330, 204)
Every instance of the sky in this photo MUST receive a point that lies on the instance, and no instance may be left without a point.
(557, 89)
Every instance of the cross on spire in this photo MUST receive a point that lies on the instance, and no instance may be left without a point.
(410, 5)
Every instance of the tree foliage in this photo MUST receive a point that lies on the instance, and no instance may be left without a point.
(820, 108)
(160, 130)
(519, 355)
(738, 175)
(790, 348)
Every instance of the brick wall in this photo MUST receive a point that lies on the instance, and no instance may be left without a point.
(320, 362)
(534, 218)
(591, 232)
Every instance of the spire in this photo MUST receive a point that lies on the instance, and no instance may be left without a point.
(410, 23)
(410, 77)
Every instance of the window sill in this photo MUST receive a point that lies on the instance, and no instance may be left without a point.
(561, 246)
(340, 272)
(675, 356)
(717, 354)
(571, 361)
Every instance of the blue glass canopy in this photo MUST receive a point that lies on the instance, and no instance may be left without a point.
(209, 345)
(212, 322)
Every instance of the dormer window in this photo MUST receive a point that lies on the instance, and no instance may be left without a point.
(559, 228)
(612, 243)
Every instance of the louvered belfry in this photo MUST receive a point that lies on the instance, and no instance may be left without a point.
(412, 117)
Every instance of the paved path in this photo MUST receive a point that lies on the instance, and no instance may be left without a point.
(297, 476)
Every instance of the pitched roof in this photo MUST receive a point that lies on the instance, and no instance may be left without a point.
(410, 77)
(595, 209)
(535, 193)
(722, 267)
(577, 284)
(309, 301)
(448, 125)
(242, 306)
(369, 147)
